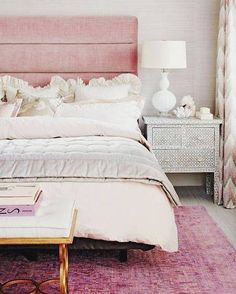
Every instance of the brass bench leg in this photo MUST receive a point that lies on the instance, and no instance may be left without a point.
(63, 256)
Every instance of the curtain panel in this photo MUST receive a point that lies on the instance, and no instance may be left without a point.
(226, 101)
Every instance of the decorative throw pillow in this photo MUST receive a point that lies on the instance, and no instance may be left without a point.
(66, 88)
(38, 107)
(11, 94)
(2, 92)
(8, 88)
(35, 101)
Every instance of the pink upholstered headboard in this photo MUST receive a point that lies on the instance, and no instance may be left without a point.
(35, 48)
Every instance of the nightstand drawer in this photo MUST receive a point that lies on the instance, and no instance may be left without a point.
(197, 137)
(181, 159)
(166, 137)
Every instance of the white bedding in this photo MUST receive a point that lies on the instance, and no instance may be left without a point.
(113, 211)
(47, 127)
(132, 207)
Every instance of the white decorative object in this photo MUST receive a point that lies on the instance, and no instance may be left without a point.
(164, 55)
(205, 110)
(204, 114)
(188, 103)
(182, 112)
(187, 107)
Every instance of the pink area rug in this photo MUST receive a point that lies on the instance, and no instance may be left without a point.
(205, 264)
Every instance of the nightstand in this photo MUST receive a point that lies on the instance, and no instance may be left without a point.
(187, 145)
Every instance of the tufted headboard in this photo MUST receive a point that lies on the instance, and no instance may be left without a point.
(35, 48)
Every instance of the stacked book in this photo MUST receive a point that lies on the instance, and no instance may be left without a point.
(19, 199)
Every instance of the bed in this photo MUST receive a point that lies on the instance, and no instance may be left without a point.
(123, 197)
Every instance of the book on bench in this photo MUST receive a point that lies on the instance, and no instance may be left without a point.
(19, 199)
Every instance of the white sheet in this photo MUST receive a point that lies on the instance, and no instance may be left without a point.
(115, 211)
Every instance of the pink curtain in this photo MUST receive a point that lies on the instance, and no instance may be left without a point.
(226, 101)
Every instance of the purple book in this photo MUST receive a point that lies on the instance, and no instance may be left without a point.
(20, 210)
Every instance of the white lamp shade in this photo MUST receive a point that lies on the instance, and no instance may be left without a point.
(164, 54)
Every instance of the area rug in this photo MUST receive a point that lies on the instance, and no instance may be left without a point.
(205, 263)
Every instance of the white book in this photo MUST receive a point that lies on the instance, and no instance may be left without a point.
(16, 194)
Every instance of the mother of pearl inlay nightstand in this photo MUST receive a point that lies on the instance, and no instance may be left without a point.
(187, 145)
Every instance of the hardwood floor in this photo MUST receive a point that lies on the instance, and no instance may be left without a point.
(225, 218)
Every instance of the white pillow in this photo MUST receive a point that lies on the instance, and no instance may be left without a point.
(39, 107)
(66, 88)
(36, 100)
(9, 87)
(122, 113)
(100, 90)
(8, 109)
(2, 92)
(102, 93)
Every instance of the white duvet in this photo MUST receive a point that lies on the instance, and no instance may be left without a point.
(113, 210)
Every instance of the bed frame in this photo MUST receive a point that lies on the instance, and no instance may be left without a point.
(35, 48)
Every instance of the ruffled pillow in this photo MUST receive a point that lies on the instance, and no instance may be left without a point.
(47, 100)
(39, 101)
(66, 88)
(35, 101)
(9, 88)
(9, 104)
(110, 101)
(2, 92)
(119, 88)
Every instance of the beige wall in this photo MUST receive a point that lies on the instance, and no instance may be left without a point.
(195, 21)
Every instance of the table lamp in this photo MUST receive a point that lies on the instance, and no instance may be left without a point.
(164, 55)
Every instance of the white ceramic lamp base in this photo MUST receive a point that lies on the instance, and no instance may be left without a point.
(164, 100)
